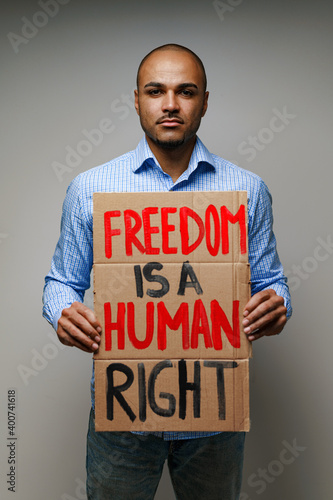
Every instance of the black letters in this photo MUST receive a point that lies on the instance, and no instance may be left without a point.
(185, 386)
(146, 390)
(187, 270)
(115, 391)
(151, 278)
(220, 365)
(142, 392)
(147, 270)
(163, 412)
(138, 281)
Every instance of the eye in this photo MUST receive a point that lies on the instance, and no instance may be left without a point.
(154, 92)
(186, 93)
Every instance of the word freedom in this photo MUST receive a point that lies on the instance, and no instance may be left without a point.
(214, 228)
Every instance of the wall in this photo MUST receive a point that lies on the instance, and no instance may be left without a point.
(77, 67)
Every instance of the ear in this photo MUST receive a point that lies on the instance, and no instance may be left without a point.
(205, 104)
(136, 100)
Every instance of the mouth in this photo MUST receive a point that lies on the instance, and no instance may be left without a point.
(170, 122)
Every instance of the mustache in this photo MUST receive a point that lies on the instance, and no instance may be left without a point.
(170, 117)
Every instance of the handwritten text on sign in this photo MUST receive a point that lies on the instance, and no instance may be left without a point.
(183, 263)
(172, 395)
(213, 229)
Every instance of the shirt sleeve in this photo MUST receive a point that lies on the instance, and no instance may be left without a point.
(71, 265)
(266, 268)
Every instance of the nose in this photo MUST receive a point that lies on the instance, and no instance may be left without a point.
(170, 102)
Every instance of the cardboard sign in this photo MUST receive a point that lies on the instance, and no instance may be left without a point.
(171, 279)
(169, 395)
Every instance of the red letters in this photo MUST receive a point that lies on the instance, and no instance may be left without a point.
(211, 230)
(141, 344)
(199, 326)
(213, 249)
(226, 217)
(110, 232)
(180, 318)
(166, 229)
(184, 214)
(119, 325)
(130, 231)
(220, 320)
(149, 230)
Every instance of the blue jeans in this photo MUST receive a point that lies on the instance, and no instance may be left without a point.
(127, 466)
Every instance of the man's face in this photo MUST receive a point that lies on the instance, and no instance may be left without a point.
(170, 99)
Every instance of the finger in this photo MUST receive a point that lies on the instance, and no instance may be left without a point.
(81, 334)
(69, 341)
(262, 308)
(257, 299)
(265, 313)
(273, 328)
(89, 315)
(267, 317)
(79, 318)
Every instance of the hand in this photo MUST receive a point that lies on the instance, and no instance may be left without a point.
(79, 327)
(264, 314)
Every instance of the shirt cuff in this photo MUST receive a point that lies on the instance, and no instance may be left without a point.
(56, 318)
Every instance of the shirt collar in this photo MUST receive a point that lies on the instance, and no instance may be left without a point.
(144, 156)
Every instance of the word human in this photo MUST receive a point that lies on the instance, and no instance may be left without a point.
(213, 230)
(158, 313)
(147, 391)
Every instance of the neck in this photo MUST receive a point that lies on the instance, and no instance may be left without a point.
(173, 161)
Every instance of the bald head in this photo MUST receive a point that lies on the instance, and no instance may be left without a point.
(175, 48)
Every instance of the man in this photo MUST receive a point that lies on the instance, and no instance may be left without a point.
(170, 99)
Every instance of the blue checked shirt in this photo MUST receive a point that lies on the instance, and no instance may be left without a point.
(139, 170)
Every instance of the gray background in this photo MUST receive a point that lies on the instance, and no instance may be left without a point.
(261, 58)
